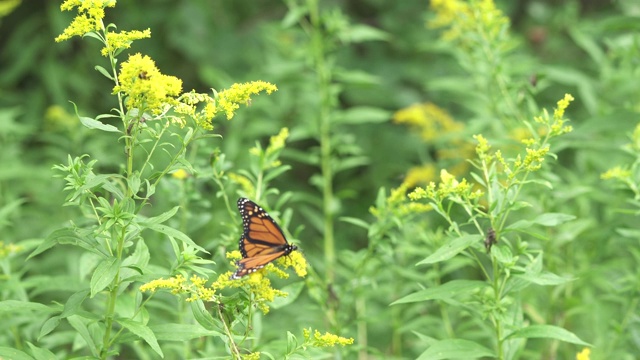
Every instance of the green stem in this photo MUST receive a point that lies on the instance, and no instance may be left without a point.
(497, 294)
(361, 312)
(324, 83)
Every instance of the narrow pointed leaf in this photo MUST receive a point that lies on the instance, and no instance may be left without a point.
(548, 331)
(451, 289)
(451, 249)
(456, 349)
(143, 332)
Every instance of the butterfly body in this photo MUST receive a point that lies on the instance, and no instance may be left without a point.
(262, 240)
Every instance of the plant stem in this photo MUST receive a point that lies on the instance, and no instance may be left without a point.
(324, 83)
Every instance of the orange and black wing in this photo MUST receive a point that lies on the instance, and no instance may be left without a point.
(262, 240)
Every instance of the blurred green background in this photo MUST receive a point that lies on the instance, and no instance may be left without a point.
(586, 48)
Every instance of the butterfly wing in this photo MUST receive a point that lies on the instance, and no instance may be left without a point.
(262, 240)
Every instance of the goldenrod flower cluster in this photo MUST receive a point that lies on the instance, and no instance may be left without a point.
(145, 87)
(428, 119)
(90, 15)
(178, 284)
(8, 249)
(326, 339)
(462, 17)
(229, 100)
(584, 354)
(449, 186)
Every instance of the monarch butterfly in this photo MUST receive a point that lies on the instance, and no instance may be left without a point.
(262, 241)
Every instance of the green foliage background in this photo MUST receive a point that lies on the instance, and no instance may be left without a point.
(587, 48)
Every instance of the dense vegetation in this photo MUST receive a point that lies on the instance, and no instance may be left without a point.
(461, 178)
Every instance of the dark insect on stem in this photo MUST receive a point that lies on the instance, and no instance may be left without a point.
(490, 239)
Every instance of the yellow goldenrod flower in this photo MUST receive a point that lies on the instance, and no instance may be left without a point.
(428, 119)
(8, 249)
(180, 174)
(535, 157)
(145, 87)
(195, 287)
(89, 18)
(244, 182)
(462, 18)
(123, 40)
(57, 118)
(420, 175)
(617, 173)
(483, 147)
(326, 339)
(175, 284)
(259, 285)
(584, 354)
(228, 101)
(251, 356)
(562, 106)
(277, 142)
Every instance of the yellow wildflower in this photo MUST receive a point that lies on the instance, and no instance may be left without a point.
(462, 18)
(244, 182)
(584, 354)
(420, 174)
(195, 287)
(175, 284)
(251, 356)
(229, 100)
(8, 249)
(428, 119)
(483, 147)
(617, 173)
(123, 40)
(89, 18)
(180, 174)
(277, 142)
(145, 87)
(326, 339)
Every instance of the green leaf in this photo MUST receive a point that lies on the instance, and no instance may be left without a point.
(13, 354)
(69, 234)
(176, 234)
(547, 331)
(274, 173)
(104, 274)
(76, 322)
(553, 219)
(95, 124)
(294, 15)
(356, 77)
(355, 221)
(451, 249)
(8, 209)
(181, 332)
(12, 307)
(351, 162)
(143, 332)
(104, 72)
(363, 115)
(544, 278)
(456, 348)
(360, 33)
(48, 326)
(202, 315)
(451, 289)
(73, 303)
(41, 353)
(160, 218)
(133, 182)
